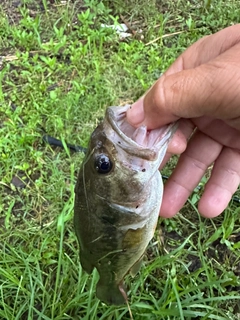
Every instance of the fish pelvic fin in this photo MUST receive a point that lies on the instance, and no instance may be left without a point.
(111, 293)
(85, 263)
(136, 267)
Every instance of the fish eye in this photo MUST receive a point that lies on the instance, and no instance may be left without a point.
(103, 164)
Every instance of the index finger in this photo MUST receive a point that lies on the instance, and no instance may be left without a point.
(161, 93)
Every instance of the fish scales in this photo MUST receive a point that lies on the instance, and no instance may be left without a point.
(117, 199)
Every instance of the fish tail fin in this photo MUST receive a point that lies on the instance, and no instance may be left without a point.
(111, 293)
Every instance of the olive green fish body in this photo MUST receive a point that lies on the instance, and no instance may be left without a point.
(118, 197)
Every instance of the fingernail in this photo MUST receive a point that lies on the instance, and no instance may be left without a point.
(135, 114)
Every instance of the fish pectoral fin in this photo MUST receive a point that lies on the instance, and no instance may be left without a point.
(111, 293)
(136, 267)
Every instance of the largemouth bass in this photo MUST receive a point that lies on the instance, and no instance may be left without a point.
(117, 199)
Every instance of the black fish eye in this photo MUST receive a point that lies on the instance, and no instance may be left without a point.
(103, 164)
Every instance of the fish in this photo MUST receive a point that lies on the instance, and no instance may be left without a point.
(118, 196)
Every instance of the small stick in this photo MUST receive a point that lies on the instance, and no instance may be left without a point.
(164, 36)
(128, 25)
(126, 300)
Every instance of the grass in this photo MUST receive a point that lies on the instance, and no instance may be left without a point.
(59, 71)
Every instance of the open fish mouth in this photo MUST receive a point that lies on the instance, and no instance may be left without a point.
(137, 141)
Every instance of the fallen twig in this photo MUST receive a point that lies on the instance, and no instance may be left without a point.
(128, 25)
(164, 36)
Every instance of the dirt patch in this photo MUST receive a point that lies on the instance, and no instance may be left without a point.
(12, 9)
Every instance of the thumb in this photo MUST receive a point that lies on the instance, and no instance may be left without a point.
(211, 89)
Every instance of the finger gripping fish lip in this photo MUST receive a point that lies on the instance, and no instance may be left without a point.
(138, 141)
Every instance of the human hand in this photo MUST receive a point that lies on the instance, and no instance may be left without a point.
(202, 89)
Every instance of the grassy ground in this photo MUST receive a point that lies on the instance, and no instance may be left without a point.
(59, 71)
